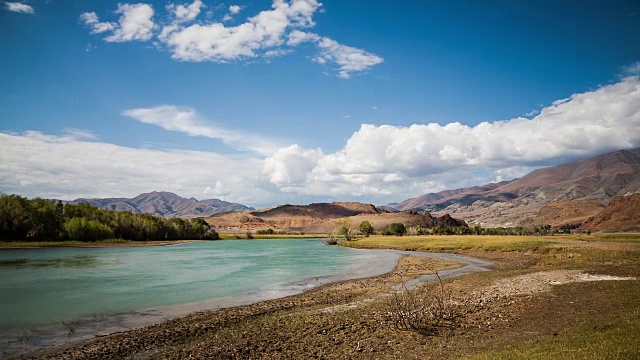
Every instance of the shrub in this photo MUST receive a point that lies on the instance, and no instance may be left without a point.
(424, 310)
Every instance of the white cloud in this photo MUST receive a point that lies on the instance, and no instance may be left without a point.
(261, 36)
(184, 13)
(290, 166)
(385, 159)
(377, 164)
(632, 69)
(91, 19)
(187, 121)
(219, 43)
(19, 7)
(135, 23)
(348, 58)
(35, 164)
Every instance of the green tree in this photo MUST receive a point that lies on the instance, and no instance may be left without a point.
(81, 229)
(397, 229)
(366, 229)
(344, 228)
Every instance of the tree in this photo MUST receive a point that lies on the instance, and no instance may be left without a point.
(344, 228)
(81, 229)
(366, 229)
(397, 229)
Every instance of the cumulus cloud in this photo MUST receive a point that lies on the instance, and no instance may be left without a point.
(384, 159)
(185, 13)
(135, 23)
(260, 37)
(290, 167)
(186, 120)
(65, 167)
(19, 8)
(219, 43)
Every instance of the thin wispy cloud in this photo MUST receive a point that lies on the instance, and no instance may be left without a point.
(270, 32)
(350, 60)
(187, 121)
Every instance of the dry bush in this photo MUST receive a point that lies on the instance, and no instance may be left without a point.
(331, 240)
(425, 310)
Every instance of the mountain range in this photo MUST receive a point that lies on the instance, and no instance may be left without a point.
(509, 203)
(165, 204)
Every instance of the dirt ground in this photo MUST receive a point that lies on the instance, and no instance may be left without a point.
(524, 301)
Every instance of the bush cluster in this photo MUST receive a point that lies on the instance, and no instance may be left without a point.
(44, 220)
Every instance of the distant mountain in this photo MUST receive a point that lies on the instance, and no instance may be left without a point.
(510, 203)
(166, 204)
(322, 217)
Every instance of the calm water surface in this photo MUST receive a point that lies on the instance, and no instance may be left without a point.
(48, 286)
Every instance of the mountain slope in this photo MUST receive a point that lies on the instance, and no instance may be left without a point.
(165, 204)
(322, 217)
(510, 203)
(622, 214)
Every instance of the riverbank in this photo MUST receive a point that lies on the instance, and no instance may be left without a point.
(93, 244)
(572, 301)
(180, 329)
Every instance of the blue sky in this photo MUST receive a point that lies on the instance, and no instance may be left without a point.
(268, 102)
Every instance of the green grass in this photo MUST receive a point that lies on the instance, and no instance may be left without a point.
(615, 237)
(611, 331)
(539, 244)
(465, 242)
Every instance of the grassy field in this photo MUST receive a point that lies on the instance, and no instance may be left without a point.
(598, 320)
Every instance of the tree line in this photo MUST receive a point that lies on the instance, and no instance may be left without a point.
(48, 220)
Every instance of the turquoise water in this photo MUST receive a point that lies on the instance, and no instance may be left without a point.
(46, 286)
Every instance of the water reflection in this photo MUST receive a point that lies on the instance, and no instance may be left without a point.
(78, 261)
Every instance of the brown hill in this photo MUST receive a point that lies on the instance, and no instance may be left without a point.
(621, 215)
(567, 212)
(322, 217)
(165, 204)
(319, 210)
(507, 204)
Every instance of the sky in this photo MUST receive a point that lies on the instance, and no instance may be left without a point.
(297, 101)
